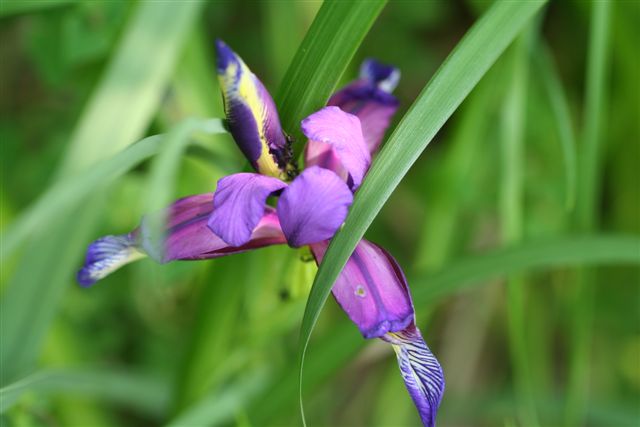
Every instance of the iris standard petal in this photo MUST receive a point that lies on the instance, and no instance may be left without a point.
(106, 255)
(251, 115)
(372, 290)
(313, 206)
(420, 370)
(370, 98)
(341, 133)
(187, 238)
(239, 204)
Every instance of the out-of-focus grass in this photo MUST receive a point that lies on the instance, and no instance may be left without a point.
(216, 342)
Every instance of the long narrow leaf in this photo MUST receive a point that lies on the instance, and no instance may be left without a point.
(135, 391)
(160, 189)
(559, 104)
(115, 116)
(470, 60)
(324, 54)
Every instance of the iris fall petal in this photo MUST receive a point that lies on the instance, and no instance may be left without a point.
(420, 370)
(188, 237)
(372, 290)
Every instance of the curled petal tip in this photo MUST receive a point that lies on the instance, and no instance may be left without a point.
(224, 55)
(420, 370)
(384, 76)
(106, 255)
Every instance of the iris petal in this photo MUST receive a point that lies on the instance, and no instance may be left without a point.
(251, 115)
(372, 290)
(187, 238)
(369, 98)
(341, 133)
(420, 370)
(106, 255)
(313, 206)
(239, 204)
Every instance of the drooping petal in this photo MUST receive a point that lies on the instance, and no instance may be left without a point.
(187, 238)
(251, 115)
(340, 133)
(369, 98)
(420, 370)
(372, 290)
(106, 255)
(313, 206)
(239, 204)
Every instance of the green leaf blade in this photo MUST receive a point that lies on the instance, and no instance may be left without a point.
(325, 52)
(461, 71)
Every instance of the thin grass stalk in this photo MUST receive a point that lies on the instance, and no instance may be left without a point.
(511, 217)
(587, 213)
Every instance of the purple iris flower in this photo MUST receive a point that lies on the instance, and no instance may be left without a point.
(311, 206)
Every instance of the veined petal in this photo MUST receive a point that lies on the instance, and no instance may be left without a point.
(372, 290)
(420, 370)
(313, 206)
(187, 238)
(369, 98)
(341, 133)
(239, 204)
(106, 255)
(251, 115)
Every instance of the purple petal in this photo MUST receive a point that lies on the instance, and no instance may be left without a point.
(340, 132)
(420, 370)
(313, 206)
(106, 255)
(372, 290)
(370, 99)
(239, 204)
(187, 238)
(251, 114)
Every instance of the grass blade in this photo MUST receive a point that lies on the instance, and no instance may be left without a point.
(590, 250)
(543, 61)
(117, 113)
(324, 54)
(587, 212)
(222, 405)
(161, 186)
(128, 95)
(133, 390)
(513, 131)
(469, 61)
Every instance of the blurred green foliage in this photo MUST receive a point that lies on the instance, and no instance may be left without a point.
(216, 342)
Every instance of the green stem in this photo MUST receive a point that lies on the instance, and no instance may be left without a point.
(588, 195)
(511, 213)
